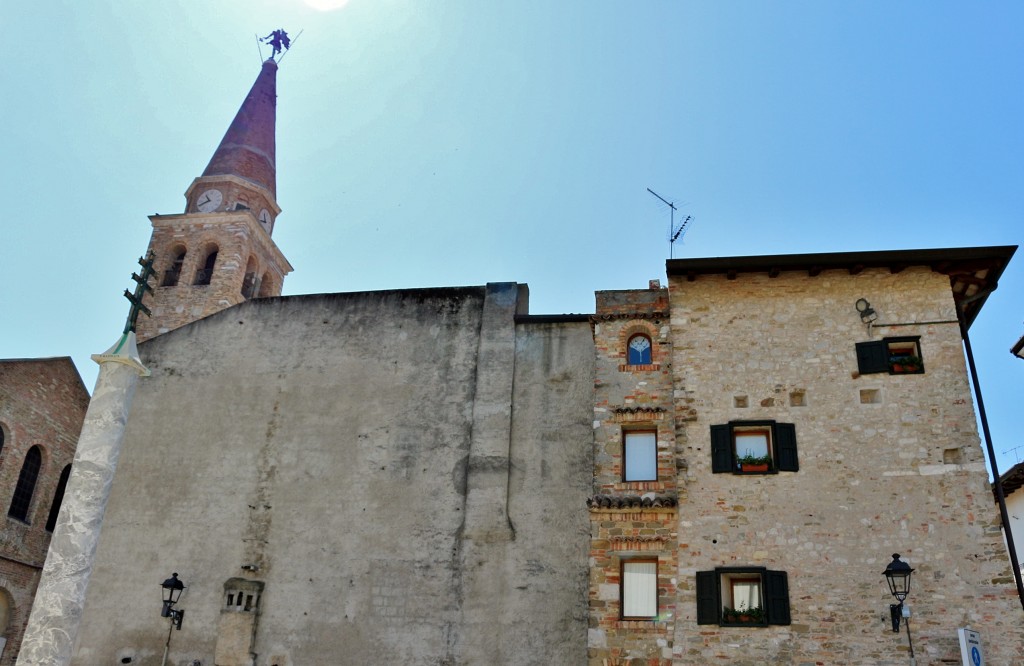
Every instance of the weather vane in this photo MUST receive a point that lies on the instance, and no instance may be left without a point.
(278, 41)
(140, 291)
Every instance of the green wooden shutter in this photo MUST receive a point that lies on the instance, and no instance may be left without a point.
(872, 357)
(709, 606)
(776, 594)
(785, 447)
(721, 449)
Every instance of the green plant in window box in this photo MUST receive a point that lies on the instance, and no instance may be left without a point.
(730, 615)
(753, 615)
(752, 463)
(904, 364)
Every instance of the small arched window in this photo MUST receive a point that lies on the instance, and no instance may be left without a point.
(249, 283)
(205, 272)
(26, 487)
(266, 286)
(638, 351)
(3, 434)
(58, 498)
(172, 274)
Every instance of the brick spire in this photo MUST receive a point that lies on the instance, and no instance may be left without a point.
(247, 149)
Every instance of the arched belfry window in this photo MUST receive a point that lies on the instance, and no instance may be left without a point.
(173, 274)
(638, 351)
(205, 272)
(250, 283)
(26, 487)
(58, 498)
(266, 287)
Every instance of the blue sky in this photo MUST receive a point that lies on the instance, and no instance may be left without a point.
(435, 143)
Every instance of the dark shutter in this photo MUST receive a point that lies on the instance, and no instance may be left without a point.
(709, 607)
(776, 594)
(872, 357)
(721, 449)
(785, 447)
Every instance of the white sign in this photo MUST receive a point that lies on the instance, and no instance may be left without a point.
(970, 647)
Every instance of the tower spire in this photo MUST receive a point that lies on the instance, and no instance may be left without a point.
(219, 252)
(247, 149)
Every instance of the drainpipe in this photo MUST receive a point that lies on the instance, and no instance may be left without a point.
(1000, 497)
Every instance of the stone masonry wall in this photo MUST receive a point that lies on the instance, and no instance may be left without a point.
(42, 403)
(887, 464)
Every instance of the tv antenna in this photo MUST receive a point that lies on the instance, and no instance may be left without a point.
(1014, 449)
(674, 233)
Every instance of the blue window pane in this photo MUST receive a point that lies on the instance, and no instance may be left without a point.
(639, 350)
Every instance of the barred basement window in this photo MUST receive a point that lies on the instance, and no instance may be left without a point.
(742, 596)
(242, 595)
(638, 589)
(897, 356)
(754, 447)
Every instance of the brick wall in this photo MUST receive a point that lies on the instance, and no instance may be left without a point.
(42, 403)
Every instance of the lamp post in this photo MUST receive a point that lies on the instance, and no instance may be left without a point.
(172, 589)
(897, 574)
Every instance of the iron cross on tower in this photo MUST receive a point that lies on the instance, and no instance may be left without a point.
(140, 291)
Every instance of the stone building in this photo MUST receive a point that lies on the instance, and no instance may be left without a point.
(42, 405)
(797, 440)
(437, 476)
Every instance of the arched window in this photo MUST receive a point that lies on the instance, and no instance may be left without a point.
(58, 498)
(3, 434)
(266, 286)
(23, 492)
(249, 283)
(638, 351)
(205, 273)
(172, 274)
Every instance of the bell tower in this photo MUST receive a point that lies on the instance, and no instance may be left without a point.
(219, 252)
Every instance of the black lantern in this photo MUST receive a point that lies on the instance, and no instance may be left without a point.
(898, 576)
(867, 313)
(172, 588)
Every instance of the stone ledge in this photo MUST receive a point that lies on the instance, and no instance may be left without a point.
(632, 502)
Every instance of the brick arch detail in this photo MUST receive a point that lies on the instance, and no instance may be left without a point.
(640, 328)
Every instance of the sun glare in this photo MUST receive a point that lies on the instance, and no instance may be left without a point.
(325, 5)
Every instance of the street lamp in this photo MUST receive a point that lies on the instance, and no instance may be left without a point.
(172, 589)
(897, 574)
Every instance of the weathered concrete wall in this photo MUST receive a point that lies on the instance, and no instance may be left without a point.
(897, 468)
(42, 403)
(320, 445)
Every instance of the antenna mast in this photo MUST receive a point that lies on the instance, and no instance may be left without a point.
(673, 232)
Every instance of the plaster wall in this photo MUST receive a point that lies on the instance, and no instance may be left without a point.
(321, 445)
(896, 469)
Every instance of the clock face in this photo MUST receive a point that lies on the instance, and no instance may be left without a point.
(209, 201)
(265, 219)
